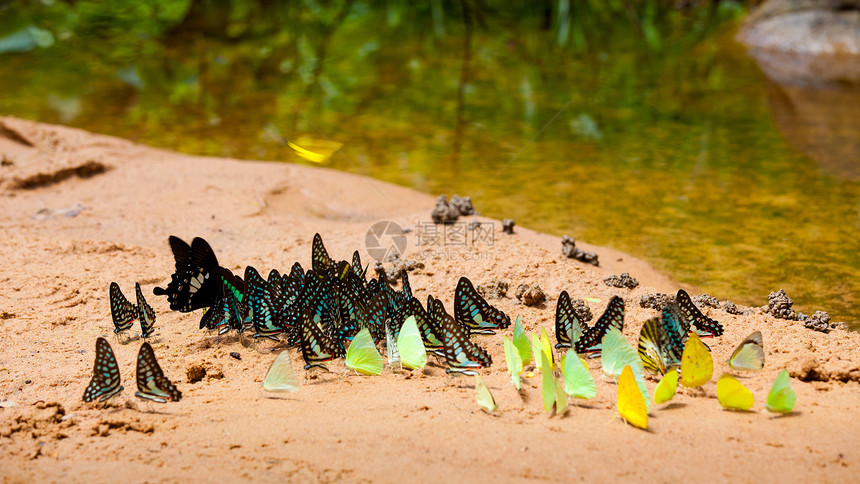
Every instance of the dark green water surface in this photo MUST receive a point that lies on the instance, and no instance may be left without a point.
(651, 131)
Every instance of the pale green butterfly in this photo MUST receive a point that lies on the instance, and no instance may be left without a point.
(362, 355)
(514, 362)
(618, 353)
(281, 376)
(483, 396)
(749, 355)
(781, 397)
(578, 382)
(553, 396)
(521, 342)
(410, 345)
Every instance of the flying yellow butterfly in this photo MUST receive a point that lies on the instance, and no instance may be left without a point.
(314, 150)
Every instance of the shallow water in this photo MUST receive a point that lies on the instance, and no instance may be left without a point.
(677, 152)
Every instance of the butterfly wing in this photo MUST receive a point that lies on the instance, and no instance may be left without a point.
(578, 382)
(412, 352)
(514, 362)
(281, 376)
(749, 355)
(151, 382)
(631, 405)
(483, 396)
(732, 394)
(261, 306)
(462, 355)
(565, 319)
(317, 347)
(320, 261)
(362, 355)
(654, 347)
(145, 313)
(548, 383)
(521, 342)
(106, 381)
(618, 354)
(665, 390)
(694, 319)
(196, 283)
(122, 311)
(697, 366)
(613, 316)
(472, 310)
(781, 397)
(431, 334)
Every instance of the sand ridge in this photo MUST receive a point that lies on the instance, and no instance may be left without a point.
(415, 426)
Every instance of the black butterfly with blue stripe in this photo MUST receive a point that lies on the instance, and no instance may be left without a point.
(462, 355)
(151, 382)
(106, 381)
(472, 310)
(122, 311)
(566, 321)
(317, 347)
(613, 316)
(692, 318)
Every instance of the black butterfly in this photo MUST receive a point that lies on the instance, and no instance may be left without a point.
(317, 347)
(473, 311)
(462, 355)
(320, 261)
(591, 340)
(151, 382)
(431, 333)
(566, 322)
(122, 311)
(196, 283)
(106, 381)
(693, 319)
(145, 313)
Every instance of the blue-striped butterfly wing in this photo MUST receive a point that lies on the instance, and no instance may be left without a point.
(473, 311)
(462, 355)
(219, 317)
(106, 381)
(145, 313)
(317, 347)
(261, 307)
(694, 320)
(374, 317)
(613, 316)
(357, 268)
(151, 382)
(320, 261)
(431, 333)
(407, 287)
(566, 322)
(122, 311)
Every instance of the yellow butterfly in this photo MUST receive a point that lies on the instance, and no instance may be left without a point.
(697, 366)
(732, 394)
(665, 390)
(631, 405)
(749, 355)
(315, 150)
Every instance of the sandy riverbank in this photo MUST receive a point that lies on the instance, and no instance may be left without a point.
(55, 272)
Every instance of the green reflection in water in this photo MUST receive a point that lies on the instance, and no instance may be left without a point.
(660, 144)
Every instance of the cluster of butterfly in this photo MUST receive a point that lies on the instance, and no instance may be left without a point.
(151, 382)
(124, 313)
(670, 346)
(324, 310)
